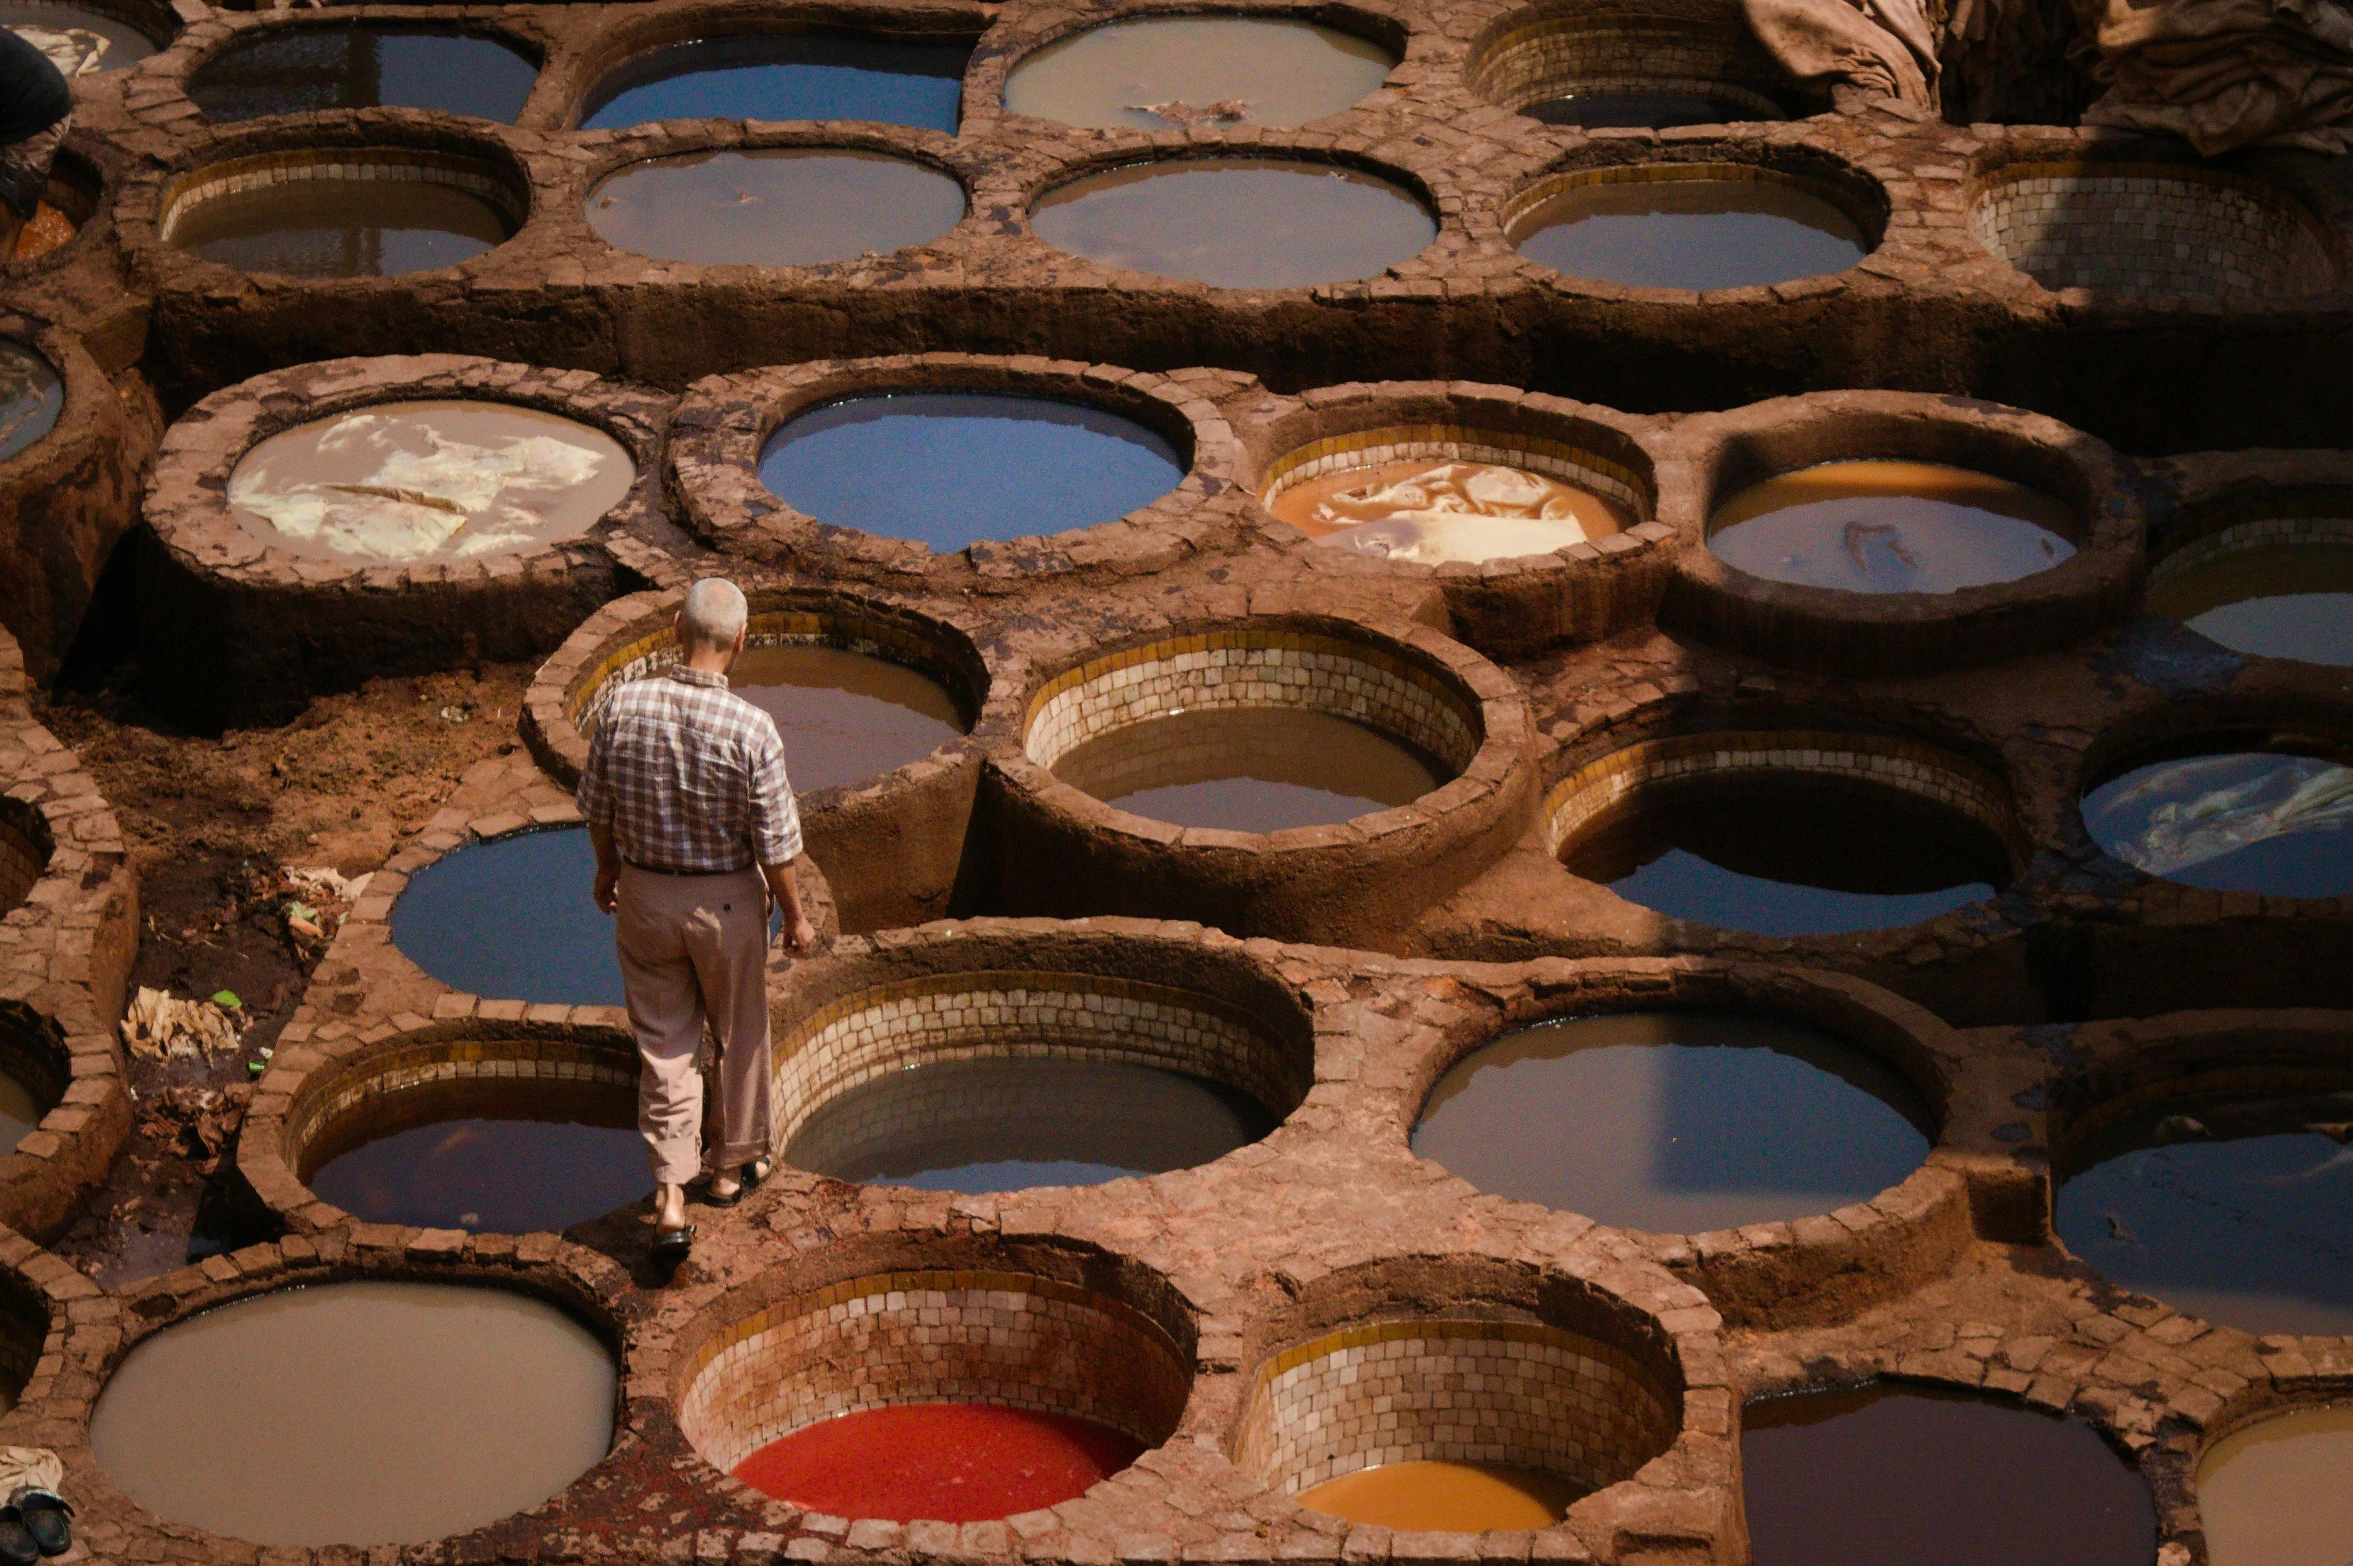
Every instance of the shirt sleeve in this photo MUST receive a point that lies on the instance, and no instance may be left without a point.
(594, 796)
(775, 818)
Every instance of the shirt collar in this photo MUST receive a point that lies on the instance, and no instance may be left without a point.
(686, 676)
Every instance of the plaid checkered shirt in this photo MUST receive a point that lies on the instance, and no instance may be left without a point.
(687, 775)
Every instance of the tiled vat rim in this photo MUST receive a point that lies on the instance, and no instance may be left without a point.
(1010, 1013)
(1826, 186)
(1458, 443)
(1925, 771)
(258, 170)
(1252, 668)
(316, 1108)
(1448, 1390)
(2185, 228)
(2231, 537)
(1683, 48)
(816, 1356)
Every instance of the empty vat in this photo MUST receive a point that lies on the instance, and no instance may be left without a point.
(948, 469)
(1677, 1122)
(365, 1413)
(2235, 821)
(2230, 1206)
(364, 65)
(341, 214)
(2273, 587)
(2279, 1492)
(1251, 769)
(1695, 226)
(784, 76)
(1437, 508)
(1164, 72)
(1238, 222)
(32, 395)
(79, 40)
(1934, 1477)
(774, 206)
(1879, 525)
(446, 480)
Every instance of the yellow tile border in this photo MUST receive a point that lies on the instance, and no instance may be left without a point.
(1439, 1328)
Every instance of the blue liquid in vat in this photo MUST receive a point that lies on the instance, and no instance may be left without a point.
(2251, 821)
(1697, 233)
(294, 70)
(949, 469)
(785, 76)
(1676, 1122)
(514, 920)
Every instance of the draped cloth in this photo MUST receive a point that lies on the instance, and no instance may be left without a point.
(1882, 46)
(2226, 73)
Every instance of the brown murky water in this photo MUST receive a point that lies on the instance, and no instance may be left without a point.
(342, 227)
(1454, 1497)
(357, 1413)
(774, 206)
(1690, 233)
(1158, 72)
(1884, 526)
(48, 229)
(845, 717)
(1250, 769)
(1433, 510)
(2280, 1493)
(429, 480)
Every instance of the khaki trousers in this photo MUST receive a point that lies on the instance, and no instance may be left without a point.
(695, 947)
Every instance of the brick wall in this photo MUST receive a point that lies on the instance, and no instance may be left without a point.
(1661, 47)
(2149, 228)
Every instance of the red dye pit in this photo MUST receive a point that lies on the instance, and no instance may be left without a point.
(947, 1462)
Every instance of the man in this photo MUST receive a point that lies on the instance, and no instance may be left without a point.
(695, 829)
(36, 110)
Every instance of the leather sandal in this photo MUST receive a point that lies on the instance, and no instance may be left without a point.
(672, 1246)
(44, 1513)
(18, 1547)
(747, 1180)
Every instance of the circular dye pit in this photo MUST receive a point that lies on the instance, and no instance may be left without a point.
(364, 1413)
(32, 395)
(2151, 229)
(2280, 1493)
(1002, 1125)
(1929, 1477)
(482, 1152)
(78, 40)
(342, 215)
(1162, 72)
(401, 481)
(1433, 508)
(1238, 222)
(955, 1396)
(1656, 64)
(845, 717)
(784, 76)
(368, 65)
(774, 206)
(2230, 1206)
(34, 1070)
(1676, 1122)
(1251, 769)
(514, 919)
(948, 469)
(2274, 588)
(1449, 1497)
(1736, 230)
(2246, 821)
(1883, 526)
(951, 1462)
(1788, 853)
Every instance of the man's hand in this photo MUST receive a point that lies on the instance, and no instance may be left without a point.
(800, 936)
(608, 887)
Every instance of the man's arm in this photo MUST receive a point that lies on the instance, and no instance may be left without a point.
(799, 934)
(595, 801)
(776, 838)
(608, 867)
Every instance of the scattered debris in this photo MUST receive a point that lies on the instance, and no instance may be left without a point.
(199, 1123)
(162, 1026)
(1230, 111)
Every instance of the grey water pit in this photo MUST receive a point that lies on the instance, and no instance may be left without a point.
(949, 469)
(2279, 1492)
(1029, 1120)
(2235, 821)
(1238, 222)
(1935, 1477)
(1678, 1122)
(365, 1413)
(774, 206)
(32, 395)
(1879, 525)
(1789, 853)
(2272, 590)
(2236, 1207)
(364, 65)
(1696, 233)
(1160, 72)
(784, 76)
(1249, 769)
(451, 480)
